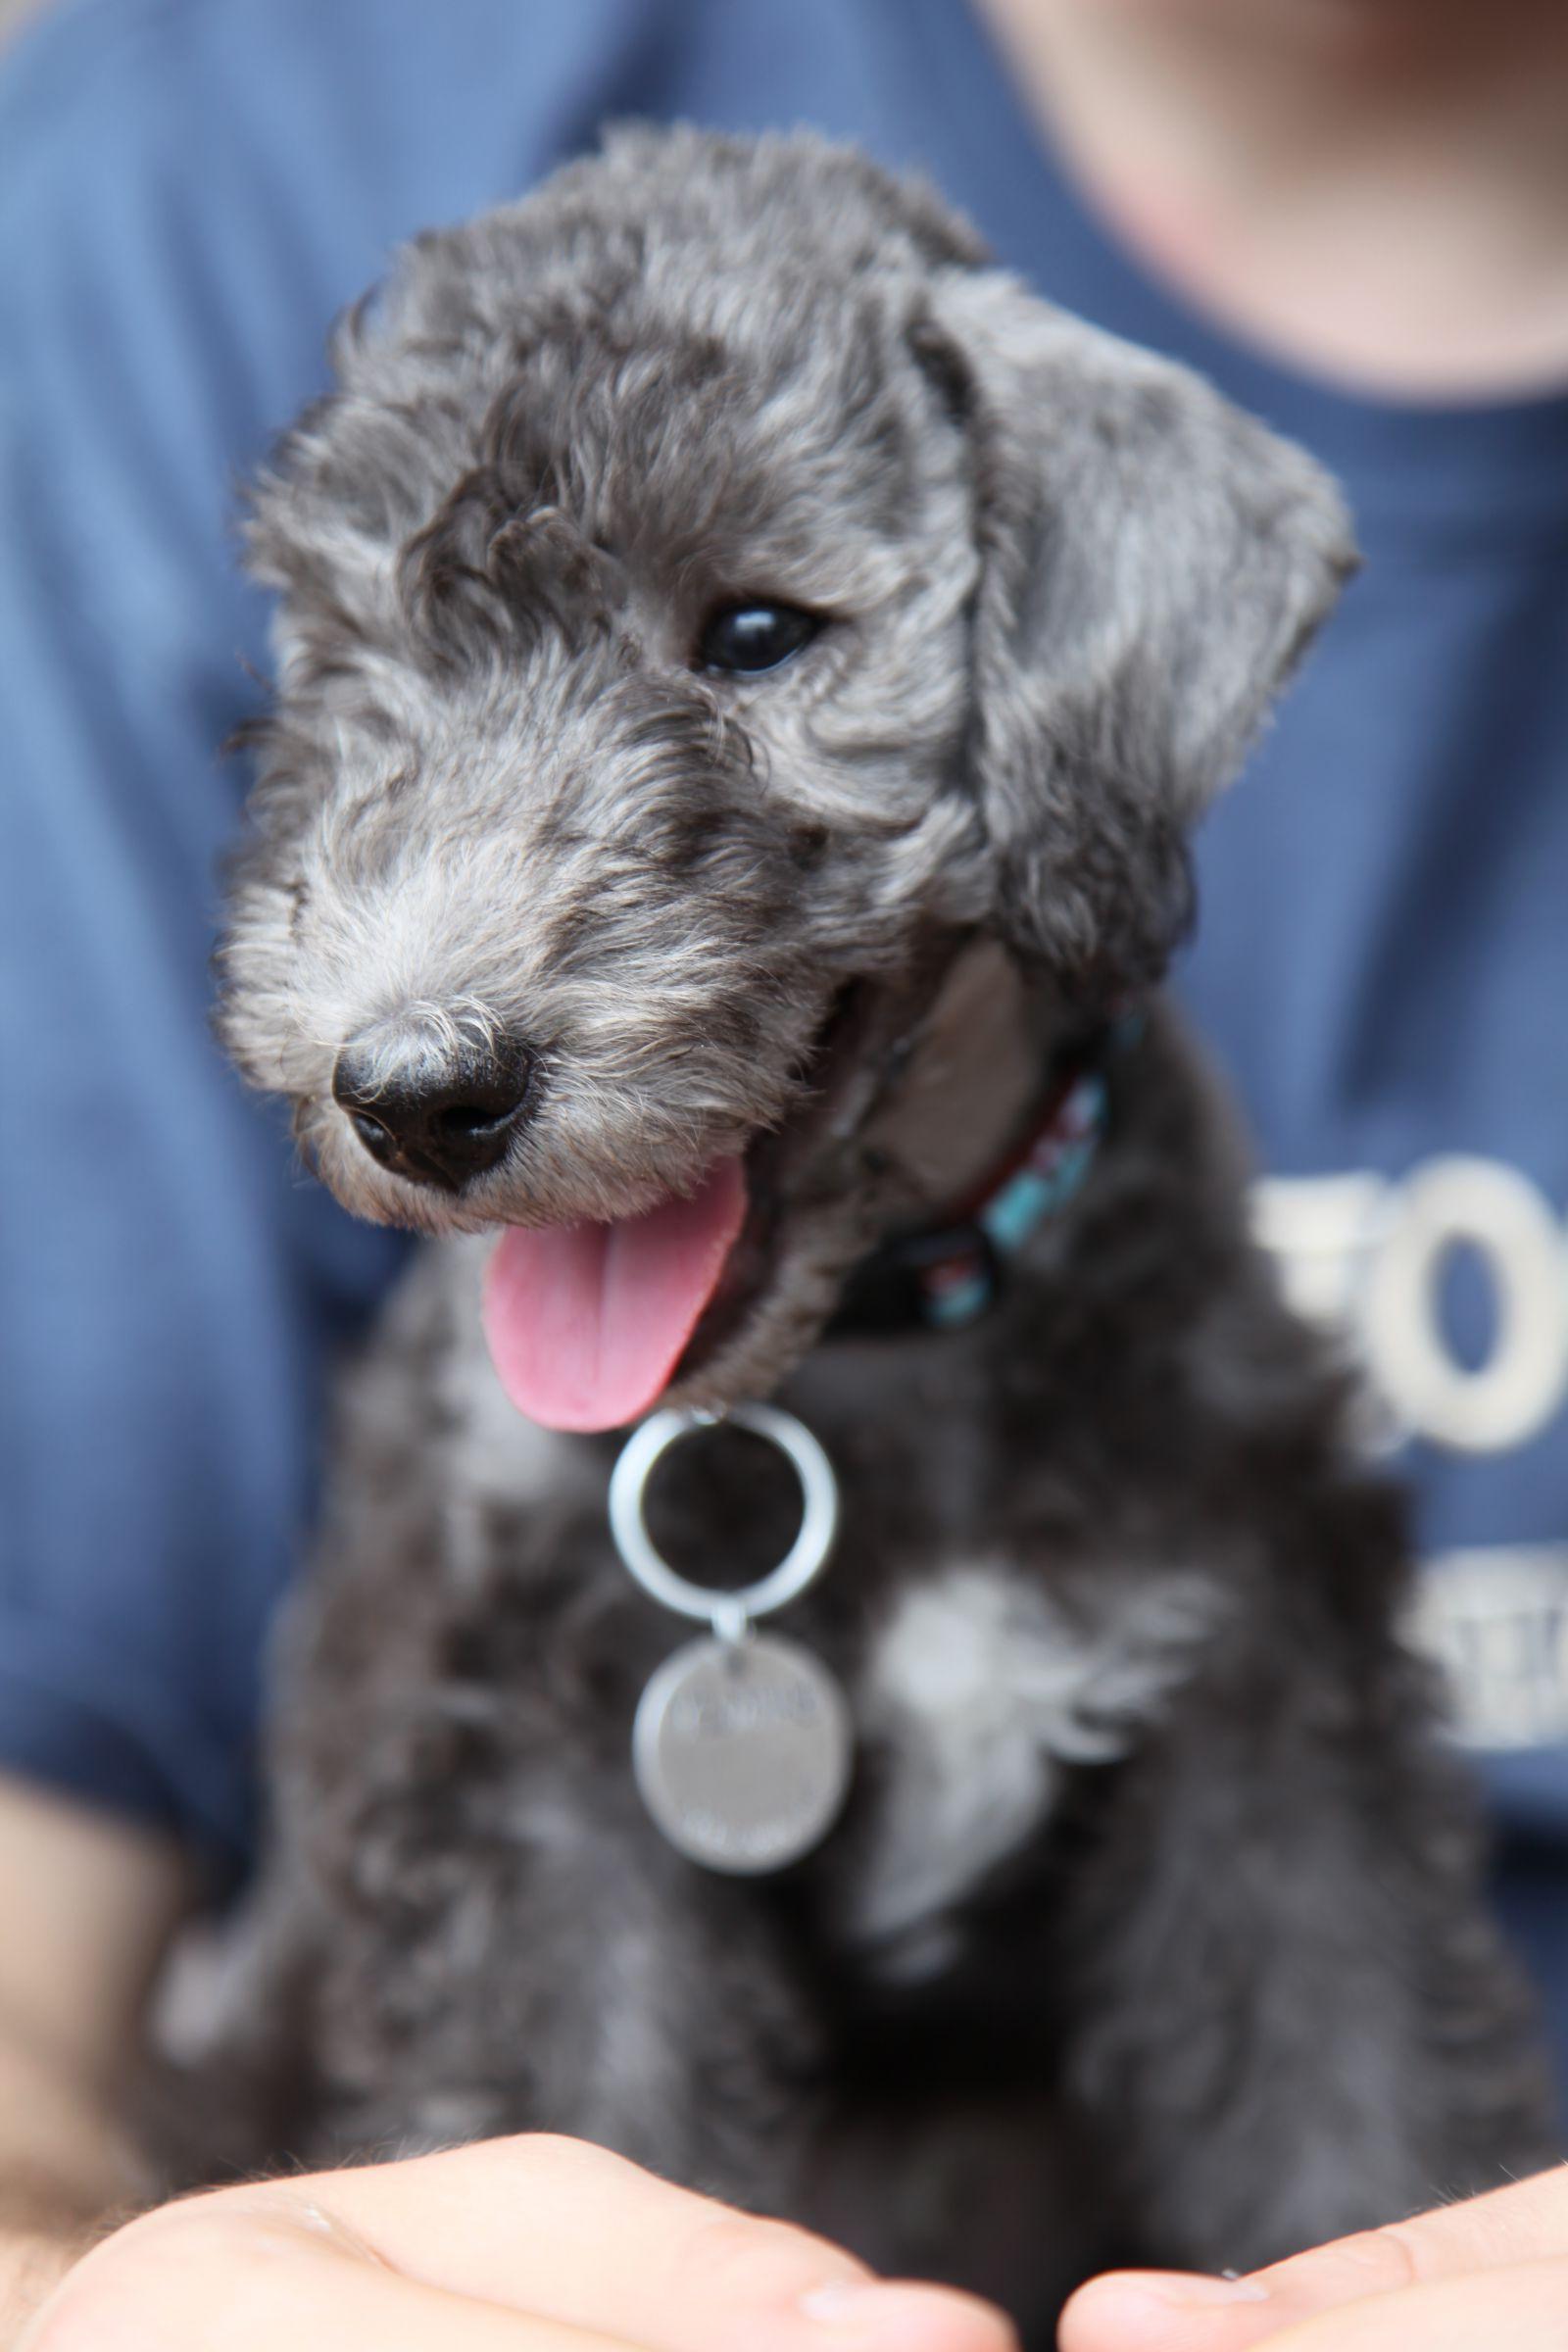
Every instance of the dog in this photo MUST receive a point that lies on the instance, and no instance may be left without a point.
(747, 675)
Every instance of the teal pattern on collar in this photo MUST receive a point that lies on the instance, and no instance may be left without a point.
(1058, 1162)
(945, 1277)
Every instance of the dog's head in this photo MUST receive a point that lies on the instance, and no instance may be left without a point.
(720, 612)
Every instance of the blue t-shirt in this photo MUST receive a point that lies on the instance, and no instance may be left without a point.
(189, 189)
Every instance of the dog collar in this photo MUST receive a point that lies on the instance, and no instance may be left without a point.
(945, 1277)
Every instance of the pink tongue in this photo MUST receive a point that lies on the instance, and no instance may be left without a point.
(586, 1322)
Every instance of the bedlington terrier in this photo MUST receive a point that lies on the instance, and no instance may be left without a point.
(747, 672)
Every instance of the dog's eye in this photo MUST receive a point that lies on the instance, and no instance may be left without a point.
(755, 636)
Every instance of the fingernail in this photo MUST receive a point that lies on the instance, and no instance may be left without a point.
(1181, 2290)
(841, 2299)
(916, 2316)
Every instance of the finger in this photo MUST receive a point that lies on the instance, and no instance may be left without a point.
(1156, 2312)
(189, 2280)
(1526, 2222)
(566, 2229)
(1521, 2308)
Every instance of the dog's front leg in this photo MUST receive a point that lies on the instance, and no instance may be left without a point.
(1292, 2018)
(537, 1959)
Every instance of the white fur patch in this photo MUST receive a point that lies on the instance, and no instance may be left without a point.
(982, 1689)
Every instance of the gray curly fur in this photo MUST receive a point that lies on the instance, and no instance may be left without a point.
(1152, 1928)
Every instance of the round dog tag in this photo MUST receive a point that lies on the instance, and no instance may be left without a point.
(742, 1751)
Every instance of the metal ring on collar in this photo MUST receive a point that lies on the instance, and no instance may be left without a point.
(728, 1613)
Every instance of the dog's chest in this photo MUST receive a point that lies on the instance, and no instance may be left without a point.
(982, 1679)
(978, 1691)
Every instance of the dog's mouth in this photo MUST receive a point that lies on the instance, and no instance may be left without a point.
(589, 1324)
(586, 1323)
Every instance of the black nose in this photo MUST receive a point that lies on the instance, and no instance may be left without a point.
(426, 1112)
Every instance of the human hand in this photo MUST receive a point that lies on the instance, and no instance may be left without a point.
(1490, 2272)
(534, 2244)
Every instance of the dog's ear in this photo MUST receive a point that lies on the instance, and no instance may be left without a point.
(1151, 565)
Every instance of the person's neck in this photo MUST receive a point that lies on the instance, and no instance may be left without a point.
(1377, 190)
